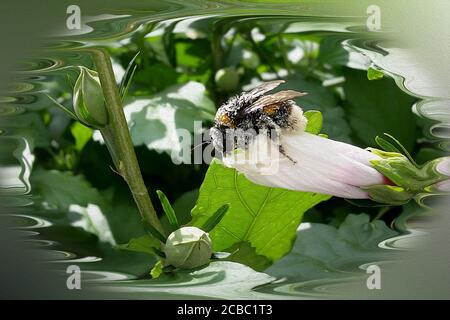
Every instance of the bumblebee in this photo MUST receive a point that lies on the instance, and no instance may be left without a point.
(250, 113)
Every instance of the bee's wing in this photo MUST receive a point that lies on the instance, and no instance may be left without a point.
(264, 87)
(273, 99)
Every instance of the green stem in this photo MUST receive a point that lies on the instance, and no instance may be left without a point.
(381, 213)
(118, 140)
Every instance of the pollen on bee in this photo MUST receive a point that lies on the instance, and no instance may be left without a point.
(224, 119)
(270, 110)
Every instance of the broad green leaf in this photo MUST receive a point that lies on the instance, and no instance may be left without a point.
(192, 53)
(323, 251)
(81, 134)
(27, 125)
(93, 220)
(61, 189)
(145, 243)
(377, 107)
(154, 78)
(332, 52)
(315, 121)
(245, 254)
(65, 191)
(122, 214)
(266, 218)
(154, 120)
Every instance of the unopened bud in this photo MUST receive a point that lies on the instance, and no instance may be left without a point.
(88, 101)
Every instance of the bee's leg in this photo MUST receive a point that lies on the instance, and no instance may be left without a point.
(273, 133)
(283, 152)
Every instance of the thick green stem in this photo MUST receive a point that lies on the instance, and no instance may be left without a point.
(118, 139)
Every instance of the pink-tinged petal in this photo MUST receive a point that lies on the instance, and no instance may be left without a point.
(336, 160)
(321, 165)
(443, 186)
(444, 166)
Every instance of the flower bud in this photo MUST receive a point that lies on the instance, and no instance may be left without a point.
(227, 79)
(188, 248)
(88, 101)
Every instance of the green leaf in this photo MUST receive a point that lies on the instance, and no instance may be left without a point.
(145, 243)
(215, 218)
(128, 77)
(155, 233)
(29, 126)
(246, 254)
(386, 145)
(122, 214)
(69, 112)
(182, 206)
(266, 218)
(391, 195)
(156, 77)
(374, 74)
(376, 107)
(332, 52)
(399, 146)
(154, 121)
(81, 134)
(315, 121)
(93, 220)
(61, 189)
(168, 210)
(192, 53)
(322, 251)
(157, 270)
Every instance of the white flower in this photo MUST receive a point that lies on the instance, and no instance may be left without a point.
(321, 165)
(443, 167)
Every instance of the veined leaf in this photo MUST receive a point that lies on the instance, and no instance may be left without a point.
(322, 251)
(266, 218)
(145, 243)
(61, 189)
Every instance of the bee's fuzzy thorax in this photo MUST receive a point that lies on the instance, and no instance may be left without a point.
(296, 119)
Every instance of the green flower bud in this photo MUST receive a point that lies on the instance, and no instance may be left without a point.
(392, 195)
(250, 60)
(88, 101)
(409, 179)
(400, 170)
(227, 79)
(188, 248)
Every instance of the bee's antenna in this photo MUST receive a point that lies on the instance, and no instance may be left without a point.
(201, 144)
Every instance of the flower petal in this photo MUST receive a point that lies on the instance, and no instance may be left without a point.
(321, 165)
